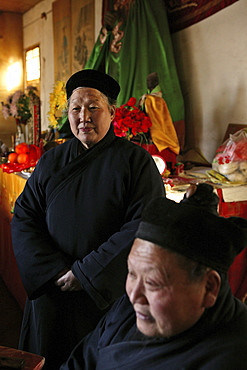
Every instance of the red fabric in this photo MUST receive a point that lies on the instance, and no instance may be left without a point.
(169, 156)
(36, 125)
(228, 209)
(15, 167)
(237, 274)
(182, 14)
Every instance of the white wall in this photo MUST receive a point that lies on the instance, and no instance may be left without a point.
(37, 30)
(212, 66)
(211, 61)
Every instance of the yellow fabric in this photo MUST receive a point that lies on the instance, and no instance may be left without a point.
(162, 131)
(11, 185)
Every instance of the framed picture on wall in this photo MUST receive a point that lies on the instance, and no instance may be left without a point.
(82, 32)
(62, 39)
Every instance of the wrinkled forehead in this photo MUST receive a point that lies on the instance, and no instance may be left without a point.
(144, 251)
(88, 94)
(88, 90)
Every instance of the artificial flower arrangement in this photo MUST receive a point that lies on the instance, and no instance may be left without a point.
(57, 115)
(18, 105)
(131, 122)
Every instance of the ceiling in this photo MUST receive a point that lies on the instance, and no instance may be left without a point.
(17, 6)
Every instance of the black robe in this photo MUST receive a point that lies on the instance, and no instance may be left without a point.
(216, 342)
(80, 211)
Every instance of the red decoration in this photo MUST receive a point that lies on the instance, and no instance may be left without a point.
(130, 121)
(33, 153)
(36, 125)
(167, 154)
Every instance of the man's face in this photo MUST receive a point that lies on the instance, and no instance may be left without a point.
(166, 302)
(89, 115)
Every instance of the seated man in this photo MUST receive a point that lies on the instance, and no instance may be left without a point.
(179, 312)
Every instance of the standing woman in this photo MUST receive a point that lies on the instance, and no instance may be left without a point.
(76, 219)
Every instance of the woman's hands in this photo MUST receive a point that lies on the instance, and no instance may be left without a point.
(67, 281)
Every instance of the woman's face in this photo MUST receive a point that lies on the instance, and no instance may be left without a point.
(90, 115)
(166, 302)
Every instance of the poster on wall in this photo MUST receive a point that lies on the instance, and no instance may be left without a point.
(82, 32)
(62, 39)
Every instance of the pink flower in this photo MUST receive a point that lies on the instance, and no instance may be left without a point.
(13, 110)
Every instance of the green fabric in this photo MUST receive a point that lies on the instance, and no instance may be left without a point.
(155, 90)
(98, 57)
(146, 48)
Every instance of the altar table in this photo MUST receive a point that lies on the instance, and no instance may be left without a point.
(11, 185)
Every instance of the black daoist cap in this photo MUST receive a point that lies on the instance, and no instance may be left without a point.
(193, 229)
(94, 79)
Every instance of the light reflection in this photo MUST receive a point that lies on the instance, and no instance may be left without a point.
(13, 76)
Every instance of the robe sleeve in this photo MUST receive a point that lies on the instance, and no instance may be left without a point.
(113, 327)
(85, 354)
(37, 256)
(102, 273)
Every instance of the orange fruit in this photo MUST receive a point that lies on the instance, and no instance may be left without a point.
(12, 157)
(22, 148)
(23, 158)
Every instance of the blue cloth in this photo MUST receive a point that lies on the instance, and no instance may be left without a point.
(80, 208)
(216, 342)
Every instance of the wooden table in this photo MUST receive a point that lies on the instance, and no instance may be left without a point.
(11, 185)
(27, 361)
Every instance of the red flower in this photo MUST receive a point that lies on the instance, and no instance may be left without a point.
(131, 102)
(130, 121)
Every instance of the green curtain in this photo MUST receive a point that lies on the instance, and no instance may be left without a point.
(146, 47)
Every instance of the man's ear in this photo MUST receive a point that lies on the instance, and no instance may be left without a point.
(112, 111)
(213, 283)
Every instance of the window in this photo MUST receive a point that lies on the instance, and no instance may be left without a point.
(32, 64)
